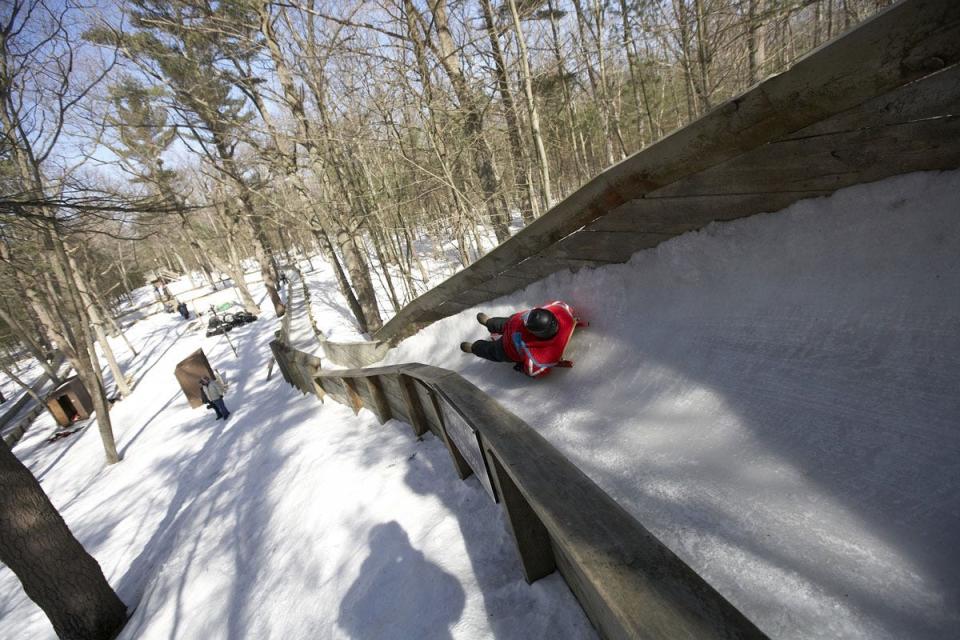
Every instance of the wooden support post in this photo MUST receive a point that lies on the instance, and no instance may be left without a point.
(412, 402)
(531, 537)
(460, 464)
(356, 402)
(381, 406)
(318, 389)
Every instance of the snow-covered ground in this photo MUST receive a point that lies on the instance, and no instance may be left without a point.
(294, 519)
(777, 399)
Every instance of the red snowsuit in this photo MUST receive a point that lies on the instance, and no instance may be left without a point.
(538, 356)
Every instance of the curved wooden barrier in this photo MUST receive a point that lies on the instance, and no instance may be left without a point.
(629, 584)
(881, 100)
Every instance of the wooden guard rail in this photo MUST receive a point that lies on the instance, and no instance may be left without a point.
(629, 584)
(881, 100)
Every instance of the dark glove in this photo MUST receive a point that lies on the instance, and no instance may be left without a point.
(518, 367)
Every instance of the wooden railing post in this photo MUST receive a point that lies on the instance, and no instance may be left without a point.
(380, 405)
(529, 534)
(356, 402)
(412, 403)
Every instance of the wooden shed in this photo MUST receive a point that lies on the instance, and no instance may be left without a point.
(188, 373)
(69, 402)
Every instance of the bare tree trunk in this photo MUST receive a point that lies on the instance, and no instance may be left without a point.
(546, 190)
(636, 77)
(331, 255)
(91, 311)
(522, 184)
(74, 340)
(755, 42)
(20, 383)
(106, 314)
(55, 570)
(579, 151)
(680, 13)
(473, 128)
(35, 349)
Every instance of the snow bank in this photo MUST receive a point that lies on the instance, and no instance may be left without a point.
(776, 398)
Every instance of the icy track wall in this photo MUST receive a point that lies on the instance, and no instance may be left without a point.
(881, 100)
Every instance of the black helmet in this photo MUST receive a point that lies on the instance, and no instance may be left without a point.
(541, 323)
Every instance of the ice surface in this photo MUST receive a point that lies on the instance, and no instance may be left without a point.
(777, 399)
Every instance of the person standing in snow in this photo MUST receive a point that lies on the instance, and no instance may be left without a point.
(533, 340)
(212, 391)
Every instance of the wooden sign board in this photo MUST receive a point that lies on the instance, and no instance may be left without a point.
(467, 440)
(188, 373)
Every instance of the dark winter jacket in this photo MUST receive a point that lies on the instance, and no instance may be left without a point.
(537, 356)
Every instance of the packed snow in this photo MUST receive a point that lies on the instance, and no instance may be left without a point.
(777, 399)
(293, 519)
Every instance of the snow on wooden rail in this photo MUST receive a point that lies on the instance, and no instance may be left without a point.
(629, 584)
(881, 100)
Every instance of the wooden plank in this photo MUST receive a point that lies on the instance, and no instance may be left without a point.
(354, 398)
(396, 403)
(318, 390)
(676, 215)
(336, 389)
(463, 438)
(540, 266)
(506, 283)
(933, 96)
(614, 246)
(369, 388)
(395, 393)
(278, 354)
(415, 411)
(430, 411)
(460, 464)
(832, 161)
(452, 307)
(354, 354)
(529, 534)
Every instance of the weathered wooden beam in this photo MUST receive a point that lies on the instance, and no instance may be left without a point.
(614, 246)
(540, 265)
(375, 398)
(418, 421)
(676, 215)
(932, 96)
(354, 399)
(831, 161)
(529, 534)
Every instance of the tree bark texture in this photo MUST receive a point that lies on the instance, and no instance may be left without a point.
(55, 570)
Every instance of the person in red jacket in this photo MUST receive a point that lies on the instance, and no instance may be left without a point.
(534, 339)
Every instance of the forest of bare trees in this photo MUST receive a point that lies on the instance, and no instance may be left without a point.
(198, 136)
